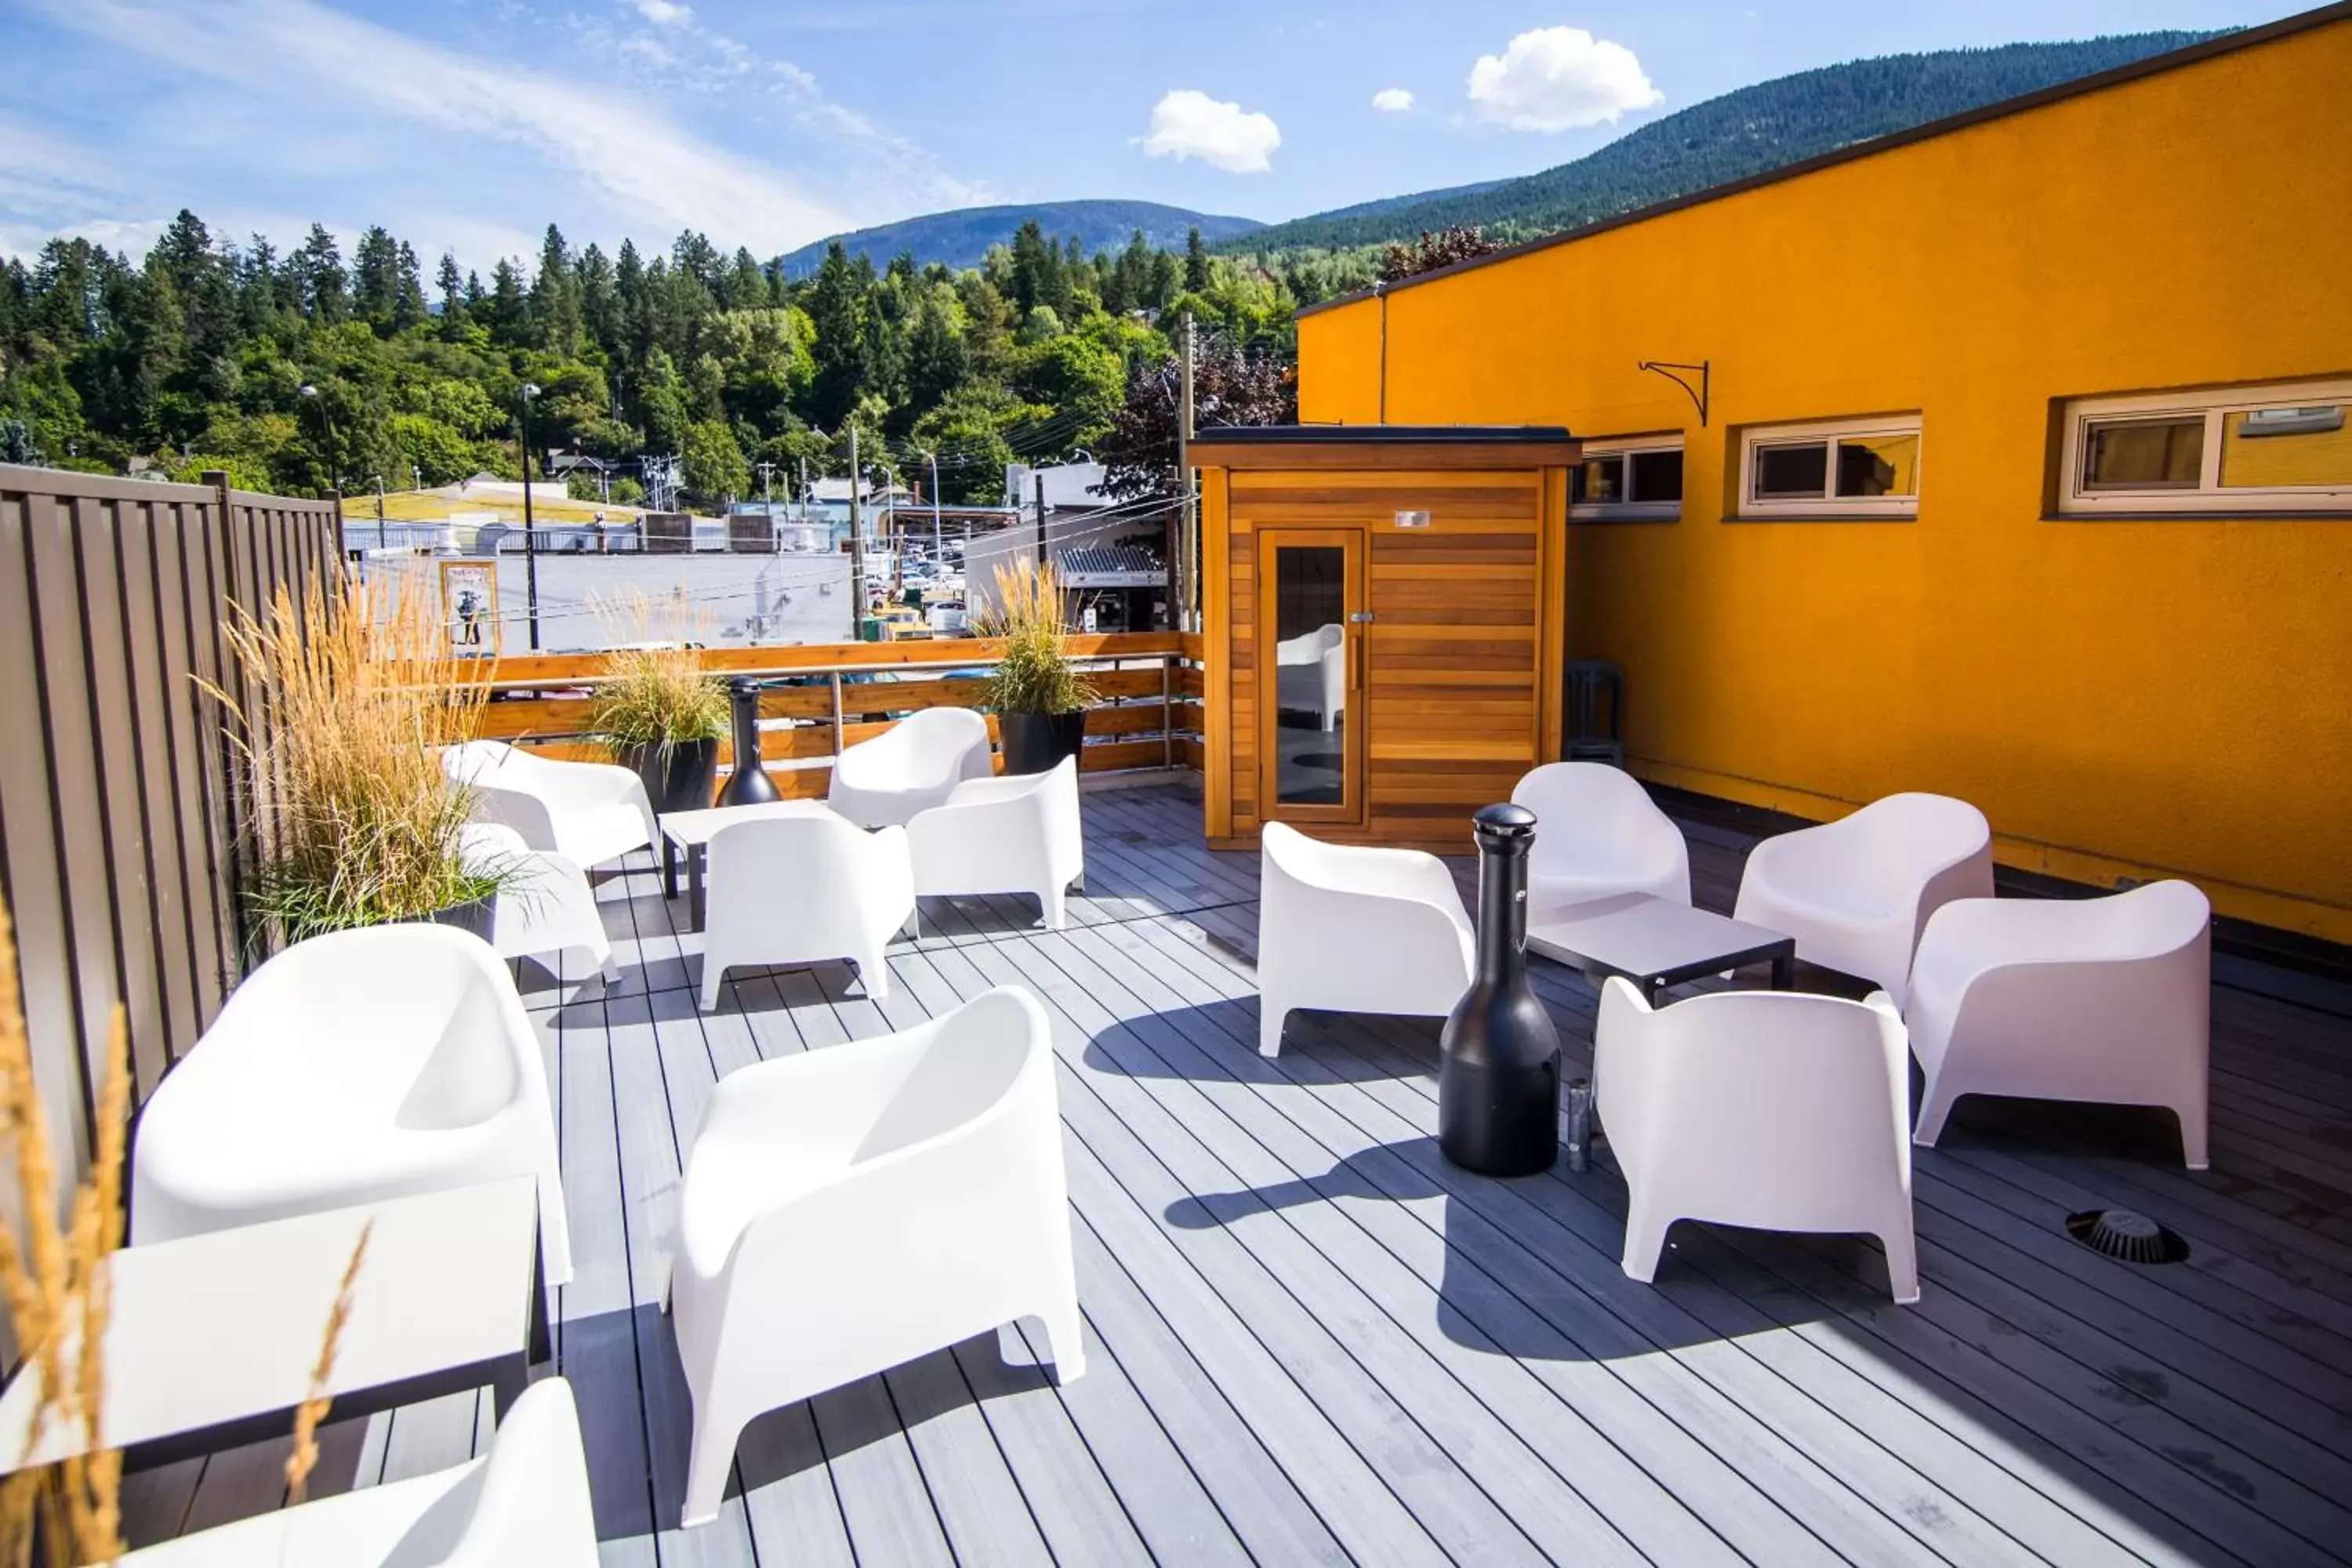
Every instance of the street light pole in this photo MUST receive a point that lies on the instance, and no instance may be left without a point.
(334, 458)
(530, 529)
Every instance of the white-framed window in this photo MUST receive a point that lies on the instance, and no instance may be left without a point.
(1628, 478)
(2226, 449)
(1831, 468)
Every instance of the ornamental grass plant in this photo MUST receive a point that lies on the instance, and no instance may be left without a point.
(54, 1279)
(341, 703)
(1033, 675)
(654, 692)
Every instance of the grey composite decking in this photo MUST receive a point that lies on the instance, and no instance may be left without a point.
(1312, 1340)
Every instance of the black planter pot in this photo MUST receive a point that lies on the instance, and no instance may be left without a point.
(679, 777)
(1499, 1068)
(473, 915)
(1036, 743)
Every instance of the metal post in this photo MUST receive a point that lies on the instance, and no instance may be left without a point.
(1166, 710)
(837, 713)
(529, 527)
(857, 554)
(1180, 526)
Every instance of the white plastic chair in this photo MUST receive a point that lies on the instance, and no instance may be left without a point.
(590, 812)
(359, 1065)
(912, 766)
(1310, 673)
(546, 905)
(1597, 833)
(804, 890)
(1857, 892)
(1765, 1109)
(2107, 1000)
(1016, 834)
(524, 1505)
(1356, 930)
(848, 1209)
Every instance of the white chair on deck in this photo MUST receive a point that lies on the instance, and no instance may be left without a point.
(804, 890)
(1597, 833)
(1016, 834)
(1857, 892)
(1310, 673)
(355, 1065)
(2107, 1000)
(1356, 930)
(546, 906)
(590, 812)
(848, 1209)
(912, 766)
(1764, 1108)
(524, 1505)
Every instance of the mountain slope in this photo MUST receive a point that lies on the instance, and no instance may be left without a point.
(1743, 133)
(962, 238)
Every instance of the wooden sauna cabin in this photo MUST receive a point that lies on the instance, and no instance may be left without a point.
(1384, 612)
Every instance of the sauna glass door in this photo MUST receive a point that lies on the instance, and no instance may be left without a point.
(1310, 694)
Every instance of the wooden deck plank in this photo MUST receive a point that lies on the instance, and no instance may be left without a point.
(1309, 1340)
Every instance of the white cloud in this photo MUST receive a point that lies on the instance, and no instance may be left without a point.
(663, 13)
(647, 167)
(1189, 125)
(1556, 78)
(1393, 100)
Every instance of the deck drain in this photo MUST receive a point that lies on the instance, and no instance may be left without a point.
(2128, 1236)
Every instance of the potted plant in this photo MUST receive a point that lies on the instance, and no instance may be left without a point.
(345, 705)
(661, 713)
(1039, 696)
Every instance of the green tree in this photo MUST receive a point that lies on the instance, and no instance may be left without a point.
(713, 464)
(1196, 262)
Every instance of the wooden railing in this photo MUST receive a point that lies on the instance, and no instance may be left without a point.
(1147, 715)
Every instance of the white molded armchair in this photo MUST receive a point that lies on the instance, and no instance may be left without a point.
(1310, 673)
(1764, 1108)
(356, 1065)
(1597, 833)
(1016, 834)
(545, 907)
(802, 889)
(590, 812)
(1857, 892)
(525, 1505)
(2107, 1000)
(847, 1209)
(912, 766)
(1356, 930)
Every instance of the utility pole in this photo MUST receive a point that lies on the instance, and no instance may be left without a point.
(1040, 481)
(1184, 525)
(938, 547)
(856, 547)
(530, 529)
(379, 511)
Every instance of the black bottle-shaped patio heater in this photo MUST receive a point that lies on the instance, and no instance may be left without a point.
(748, 784)
(1498, 1081)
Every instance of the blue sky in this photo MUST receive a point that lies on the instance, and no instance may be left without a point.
(468, 124)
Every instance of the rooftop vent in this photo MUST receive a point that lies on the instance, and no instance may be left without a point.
(2127, 1237)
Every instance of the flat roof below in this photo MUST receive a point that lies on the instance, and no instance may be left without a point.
(1420, 434)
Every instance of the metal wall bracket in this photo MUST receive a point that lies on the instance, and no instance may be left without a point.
(1698, 394)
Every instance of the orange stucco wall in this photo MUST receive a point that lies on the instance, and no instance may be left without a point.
(2122, 698)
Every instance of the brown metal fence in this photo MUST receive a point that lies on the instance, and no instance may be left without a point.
(120, 793)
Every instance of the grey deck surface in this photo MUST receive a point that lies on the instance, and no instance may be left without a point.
(1312, 1340)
